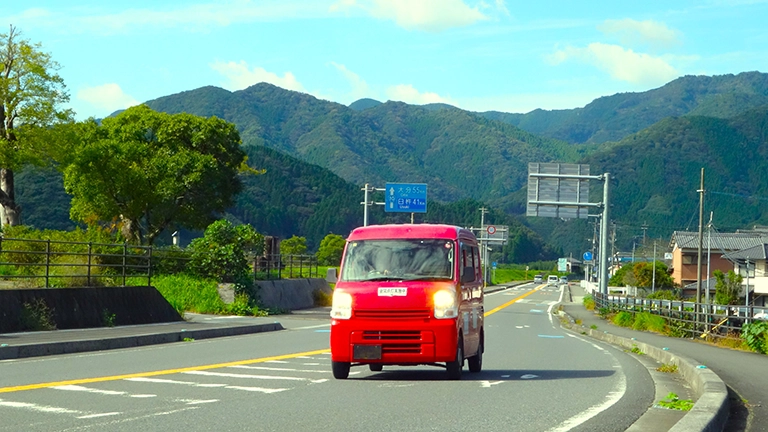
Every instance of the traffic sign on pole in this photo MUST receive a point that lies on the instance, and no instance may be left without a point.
(587, 256)
(406, 197)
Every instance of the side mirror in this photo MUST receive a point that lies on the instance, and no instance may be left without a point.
(469, 275)
(330, 276)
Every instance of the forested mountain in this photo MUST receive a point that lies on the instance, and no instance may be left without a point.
(459, 154)
(611, 118)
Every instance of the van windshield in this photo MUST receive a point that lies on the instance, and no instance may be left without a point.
(401, 259)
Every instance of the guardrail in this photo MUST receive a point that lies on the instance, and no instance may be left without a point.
(691, 317)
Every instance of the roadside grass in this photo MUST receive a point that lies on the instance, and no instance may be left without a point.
(648, 321)
(667, 368)
(187, 293)
(589, 302)
(672, 401)
(623, 319)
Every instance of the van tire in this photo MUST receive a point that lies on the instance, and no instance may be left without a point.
(376, 367)
(476, 361)
(340, 369)
(454, 367)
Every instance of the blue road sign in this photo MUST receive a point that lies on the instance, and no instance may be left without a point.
(587, 256)
(406, 197)
(493, 264)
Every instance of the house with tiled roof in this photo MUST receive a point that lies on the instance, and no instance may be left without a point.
(715, 245)
(752, 261)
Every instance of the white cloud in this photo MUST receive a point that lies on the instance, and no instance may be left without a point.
(631, 32)
(621, 63)
(408, 94)
(426, 15)
(239, 76)
(106, 98)
(360, 88)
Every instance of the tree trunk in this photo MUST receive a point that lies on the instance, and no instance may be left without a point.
(11, 212)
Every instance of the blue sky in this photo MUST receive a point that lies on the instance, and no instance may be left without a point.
(480, 55)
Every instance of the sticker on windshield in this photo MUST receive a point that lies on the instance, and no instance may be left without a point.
(391, 292)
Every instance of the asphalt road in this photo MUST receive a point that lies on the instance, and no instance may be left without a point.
(536, 377)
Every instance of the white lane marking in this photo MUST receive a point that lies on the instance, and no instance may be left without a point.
(90, 416)
(537, 311)
(505, 376)
(167, 381)
(264, 377)
(196, 401)
(528, 376)
(311, 327)
(519, 327)
(194, 384)
(276, 361)
(102, 392)
(278, 369)
(258, 389)
(310, 364)
(549, 310)
(305, 357)
(611, 398)
(38, 408)
(163, 413)
(488, 384)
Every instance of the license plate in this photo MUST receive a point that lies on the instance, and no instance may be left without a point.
(367, 352)
(392, 292)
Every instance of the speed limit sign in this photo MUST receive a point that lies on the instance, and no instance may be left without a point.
(491, 229)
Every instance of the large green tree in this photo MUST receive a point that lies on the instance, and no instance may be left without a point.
(727, 287)
(149, 171)
(30, 96)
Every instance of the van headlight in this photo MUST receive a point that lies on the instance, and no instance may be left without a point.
(341, 307)
(445, 304)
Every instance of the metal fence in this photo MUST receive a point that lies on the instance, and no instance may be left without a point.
(276, 266)
(51, 263)
(689, 318)
(27, 263)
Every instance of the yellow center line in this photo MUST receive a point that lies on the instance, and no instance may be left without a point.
(494, 310)
(157, 372)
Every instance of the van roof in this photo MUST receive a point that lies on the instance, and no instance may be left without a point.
(441, 231)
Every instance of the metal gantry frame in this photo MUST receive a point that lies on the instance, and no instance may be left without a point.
(604, 220)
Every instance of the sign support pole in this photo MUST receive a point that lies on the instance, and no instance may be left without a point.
(604, 234)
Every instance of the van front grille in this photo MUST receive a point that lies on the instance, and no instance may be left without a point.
(393, 313)
(401, 349)
(388, 335)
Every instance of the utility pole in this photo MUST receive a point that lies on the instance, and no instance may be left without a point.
(367, 201)
(613, 244)
(604, 234)
(484, 242)
(644, 227)
(653, 282)
(709, 253)
(746, 296)
(701, 238)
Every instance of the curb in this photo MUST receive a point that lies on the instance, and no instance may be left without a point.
(711, 410)
(69, 347)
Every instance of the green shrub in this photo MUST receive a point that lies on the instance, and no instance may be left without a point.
(37, 316)
(623, 319)
(221, 253)
(649, 321)
(755, 334)
(189, 293)
(664, 294)
(589, 302)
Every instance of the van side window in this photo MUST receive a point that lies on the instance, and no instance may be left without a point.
(468, 259)
(476, 253)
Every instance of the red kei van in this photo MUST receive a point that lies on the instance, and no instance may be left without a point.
(408, 295)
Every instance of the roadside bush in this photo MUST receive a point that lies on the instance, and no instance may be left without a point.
(755, 334)
(189, 293)
(37, 316)
(663, 294)
(221, 253)
(649, 321)
(589, 302)
(623, 319)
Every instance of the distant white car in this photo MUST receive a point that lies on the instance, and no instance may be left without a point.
(563, 279)
(552, 280)
(538, 278)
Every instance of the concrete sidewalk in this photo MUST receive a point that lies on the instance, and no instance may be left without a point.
(741, 371)
(196, 326)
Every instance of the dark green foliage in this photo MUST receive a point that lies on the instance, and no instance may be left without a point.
(727, 287)
(293, 246)
(612, 118)
(221, 253)
(755, 334)
(644, 275)
(330, 250)
(37, 316)
(40, 192)
(618, 278)
(663, 294)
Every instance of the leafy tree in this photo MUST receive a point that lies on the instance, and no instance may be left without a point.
(623, 276)
(221, 253)
(293, 246)
(643, 272)
(727, 287)
(30, 95)
(151, 170)
(331, 248)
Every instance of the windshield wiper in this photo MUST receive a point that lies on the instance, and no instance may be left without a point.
(429, 278)
(383, 278)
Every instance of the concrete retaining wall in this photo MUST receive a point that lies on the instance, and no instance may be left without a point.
(85, 307)
(291, 294)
